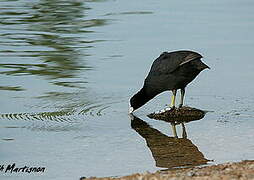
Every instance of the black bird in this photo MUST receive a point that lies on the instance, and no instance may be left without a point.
(170, 71)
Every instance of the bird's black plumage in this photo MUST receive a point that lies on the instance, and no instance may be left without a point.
(170, 71)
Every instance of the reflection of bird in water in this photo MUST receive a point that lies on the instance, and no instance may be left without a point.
(179, 116)
(170, 71)
(168, 152)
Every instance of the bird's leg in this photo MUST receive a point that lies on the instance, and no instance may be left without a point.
(184, 134)
(173, 99)
(182, 97)
(174, 130)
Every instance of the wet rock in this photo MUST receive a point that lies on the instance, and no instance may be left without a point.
(178, 115)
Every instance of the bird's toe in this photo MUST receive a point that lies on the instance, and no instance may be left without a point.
(172, 107)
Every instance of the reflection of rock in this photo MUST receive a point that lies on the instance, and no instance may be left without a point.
(167, 151)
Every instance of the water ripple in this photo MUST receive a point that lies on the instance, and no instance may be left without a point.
(50, 42)
(95, 110)
(71, 116)
(59, 116)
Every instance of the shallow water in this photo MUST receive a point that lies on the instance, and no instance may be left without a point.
(68, 69)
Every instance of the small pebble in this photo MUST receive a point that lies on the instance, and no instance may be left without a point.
(163, 110)
(191, 173)
(168, 108)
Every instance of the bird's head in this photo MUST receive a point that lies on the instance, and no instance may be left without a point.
(134, 104)
(138, 100)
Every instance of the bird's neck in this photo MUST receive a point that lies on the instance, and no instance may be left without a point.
(143, 97)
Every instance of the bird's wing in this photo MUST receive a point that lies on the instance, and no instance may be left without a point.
(190, 57)
(168, 62)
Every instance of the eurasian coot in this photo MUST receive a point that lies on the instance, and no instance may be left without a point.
(170, 71)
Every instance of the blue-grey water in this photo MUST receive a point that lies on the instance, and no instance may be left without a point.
(68, 69)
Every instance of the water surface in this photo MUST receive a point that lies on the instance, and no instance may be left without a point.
(68, 69)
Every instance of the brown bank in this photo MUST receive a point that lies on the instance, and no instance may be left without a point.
(173, 152)
(229, 171)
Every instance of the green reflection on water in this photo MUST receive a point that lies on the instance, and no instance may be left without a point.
(53, 31)
(129, 13)
(49, 39)
(11, 88)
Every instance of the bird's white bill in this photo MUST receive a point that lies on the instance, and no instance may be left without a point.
(131, 110)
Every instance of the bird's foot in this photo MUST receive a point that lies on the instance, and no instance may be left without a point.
(180, 105)
(172, 107)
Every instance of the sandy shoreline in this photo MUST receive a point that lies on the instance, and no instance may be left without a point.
(228, 171)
